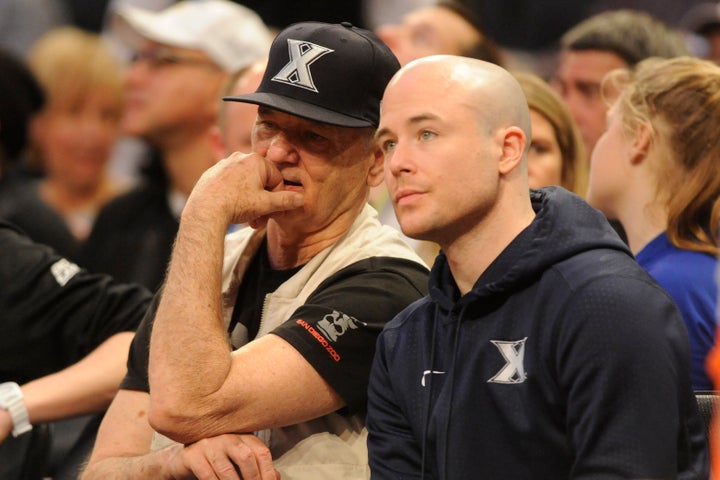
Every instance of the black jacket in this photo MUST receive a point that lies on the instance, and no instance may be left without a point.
(52, 312)
(566, 360)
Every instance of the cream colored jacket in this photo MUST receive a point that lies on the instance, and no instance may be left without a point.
(333, 446)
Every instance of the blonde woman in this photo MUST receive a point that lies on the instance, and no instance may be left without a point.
(557, 152)
(71, 138)
(656, 170)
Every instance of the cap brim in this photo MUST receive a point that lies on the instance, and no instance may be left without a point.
(300, 109)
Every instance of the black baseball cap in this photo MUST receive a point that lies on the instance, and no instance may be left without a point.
(328, 73)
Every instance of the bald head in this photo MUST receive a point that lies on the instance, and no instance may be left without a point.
(452, 124)
(489, 90)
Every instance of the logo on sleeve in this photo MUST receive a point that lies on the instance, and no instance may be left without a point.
(297, 71)
(514, 369)
(335, 324)
(332, 326)
(63, 270)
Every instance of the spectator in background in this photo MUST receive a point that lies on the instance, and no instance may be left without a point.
(65, 332)
(543, 351)
(71, 140)
(595, 46)
(447, 27)
(184, 56)
(656, 170)
(557, 154)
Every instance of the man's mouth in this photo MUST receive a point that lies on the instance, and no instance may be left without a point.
(290, 183)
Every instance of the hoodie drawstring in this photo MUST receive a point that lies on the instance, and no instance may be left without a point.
(451, 386)
(429, 396)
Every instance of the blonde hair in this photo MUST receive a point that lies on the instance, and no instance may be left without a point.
(70, 63)
(543, 99)
(679, 100)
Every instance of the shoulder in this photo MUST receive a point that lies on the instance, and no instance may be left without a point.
(413, 323)
(607, 291)
(391, 268)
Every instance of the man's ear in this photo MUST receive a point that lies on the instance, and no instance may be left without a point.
(641, 143)
(513, 146)
(376, 174)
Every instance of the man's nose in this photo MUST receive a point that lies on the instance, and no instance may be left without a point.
(282, 150)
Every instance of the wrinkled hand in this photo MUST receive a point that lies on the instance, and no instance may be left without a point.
(225, 457)
(243, 188)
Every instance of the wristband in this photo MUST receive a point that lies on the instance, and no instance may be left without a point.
(12, 400)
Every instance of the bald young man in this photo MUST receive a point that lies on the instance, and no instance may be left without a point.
(543, 350)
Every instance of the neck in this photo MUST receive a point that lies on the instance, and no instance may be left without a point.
(471, 253)
(639, 212)
(642, 224)
(291, 246)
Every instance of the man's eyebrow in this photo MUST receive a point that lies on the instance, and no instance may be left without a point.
(410, 122)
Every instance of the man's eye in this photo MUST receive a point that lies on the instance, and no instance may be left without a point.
(427, 135)
(314, 137)
(388, 145)
(264, 124)
(589, 91)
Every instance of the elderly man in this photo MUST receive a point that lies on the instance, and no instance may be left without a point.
(272, 329)
(543, 349)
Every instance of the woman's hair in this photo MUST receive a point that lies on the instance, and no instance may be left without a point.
(543, 99)
(70, 63)
(679, 100)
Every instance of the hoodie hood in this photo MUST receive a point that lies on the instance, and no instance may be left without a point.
(564, 226)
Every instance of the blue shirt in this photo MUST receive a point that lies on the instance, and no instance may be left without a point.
(689, 278)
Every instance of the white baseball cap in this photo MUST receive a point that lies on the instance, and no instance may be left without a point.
(232, 35)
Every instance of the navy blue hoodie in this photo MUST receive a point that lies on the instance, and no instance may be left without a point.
(566, 360)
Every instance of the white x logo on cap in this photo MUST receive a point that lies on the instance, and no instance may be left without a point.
(297, 71)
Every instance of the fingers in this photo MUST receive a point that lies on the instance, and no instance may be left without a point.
(243, 188)
(229, 457)
(253, 458)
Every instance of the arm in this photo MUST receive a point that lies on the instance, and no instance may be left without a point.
(393, 449)
(55, 313)
(85, 387)
(123, 442)
(624, 365)
(264, 384)
(122, 450)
